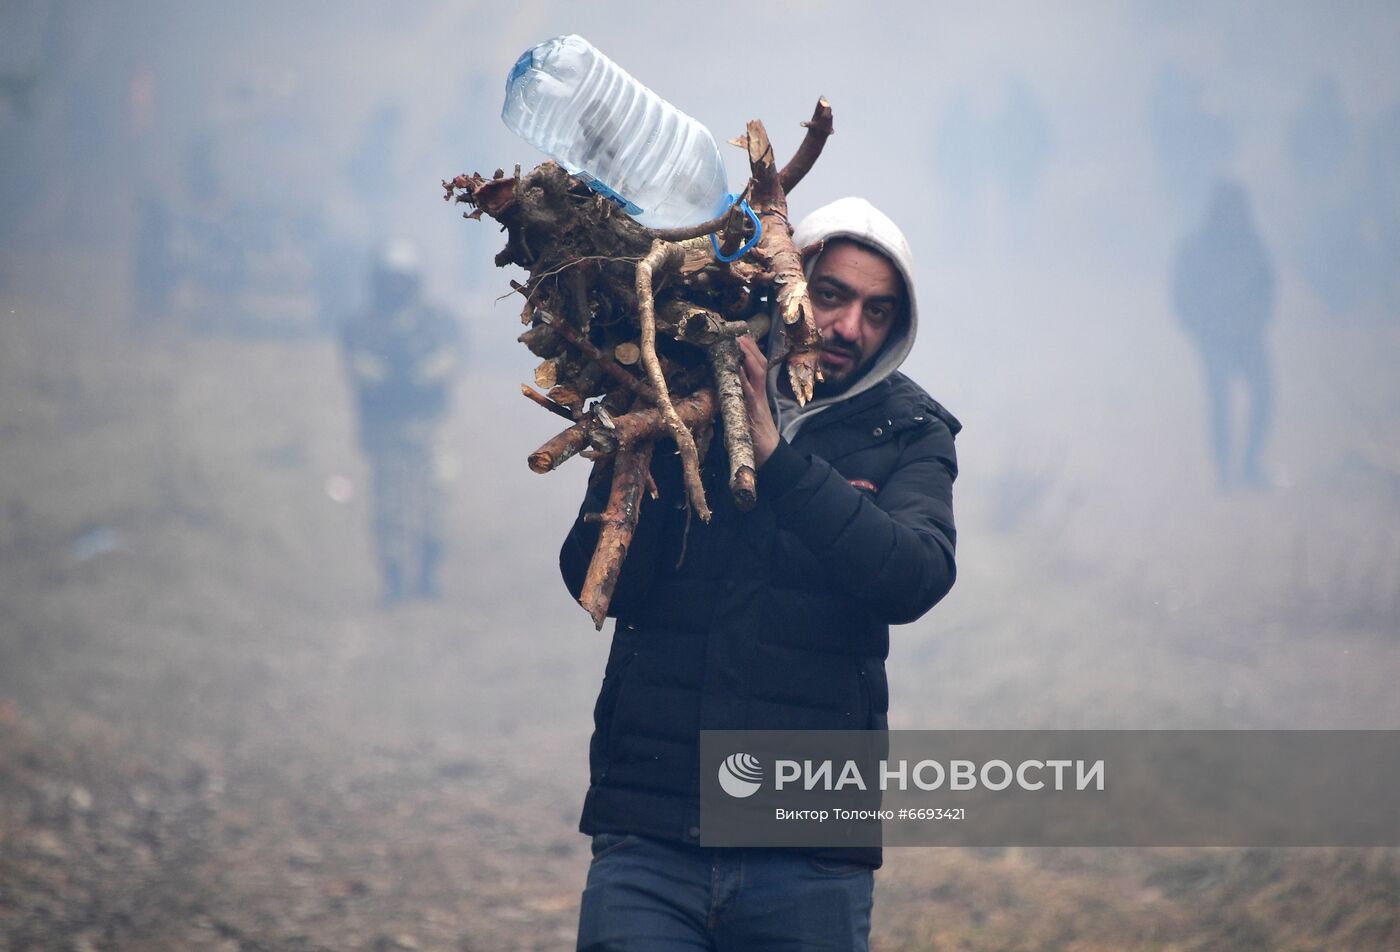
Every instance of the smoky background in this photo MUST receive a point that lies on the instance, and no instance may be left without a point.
(191, 196)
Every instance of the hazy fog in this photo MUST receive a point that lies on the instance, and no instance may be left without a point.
(1044, 161)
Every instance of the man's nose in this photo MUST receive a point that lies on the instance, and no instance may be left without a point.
(847, 323)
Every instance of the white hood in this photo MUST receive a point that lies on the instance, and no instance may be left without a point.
(857, 219)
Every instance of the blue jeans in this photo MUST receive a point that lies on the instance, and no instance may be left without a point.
(647, 894)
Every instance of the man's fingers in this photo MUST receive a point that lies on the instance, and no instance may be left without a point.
(753, 383)
(750, 394)
(755, 366)
(755, 399)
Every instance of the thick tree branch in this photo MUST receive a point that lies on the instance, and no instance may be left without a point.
(738, 438)
(663, 255)
(629, 430)
(619, 522)
(784, 263)
(819, 129)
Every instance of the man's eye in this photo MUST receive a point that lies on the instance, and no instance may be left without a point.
(826, 295)
(879, 314)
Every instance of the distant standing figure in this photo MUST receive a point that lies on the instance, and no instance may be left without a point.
(1223, 292)
(402, 356)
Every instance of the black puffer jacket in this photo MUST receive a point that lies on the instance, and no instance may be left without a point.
(774, 619)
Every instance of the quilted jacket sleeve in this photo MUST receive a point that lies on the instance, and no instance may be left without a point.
(893, 552)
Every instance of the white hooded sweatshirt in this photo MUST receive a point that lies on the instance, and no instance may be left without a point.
(857, 219)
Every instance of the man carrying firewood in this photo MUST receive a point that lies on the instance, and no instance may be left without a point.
(772, 619)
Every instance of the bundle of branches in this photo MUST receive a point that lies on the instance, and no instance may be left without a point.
(638, 327)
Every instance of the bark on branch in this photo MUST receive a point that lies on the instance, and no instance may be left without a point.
(560, 449)
(738, 437)
(619, 522)
(539, 398)
(609, 366)
(819, 129)
(663, 255)
(784, 263)
(630, 430)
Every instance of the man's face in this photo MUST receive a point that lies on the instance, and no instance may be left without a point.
(857, 299)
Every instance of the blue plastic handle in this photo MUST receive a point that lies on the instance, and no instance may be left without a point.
(757, 232)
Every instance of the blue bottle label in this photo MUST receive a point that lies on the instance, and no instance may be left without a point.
(609, 194)
(522, 66)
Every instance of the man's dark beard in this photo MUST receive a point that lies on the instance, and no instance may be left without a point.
(858, 368)
(834, 388)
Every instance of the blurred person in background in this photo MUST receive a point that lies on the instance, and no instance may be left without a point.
(1223, 293)
(402, 356)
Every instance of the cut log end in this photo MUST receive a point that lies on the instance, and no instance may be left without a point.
(744, 488)
(599, 614)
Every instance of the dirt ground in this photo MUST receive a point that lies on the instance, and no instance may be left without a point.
(212, 738)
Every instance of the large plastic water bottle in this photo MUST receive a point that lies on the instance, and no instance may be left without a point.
(572, 102)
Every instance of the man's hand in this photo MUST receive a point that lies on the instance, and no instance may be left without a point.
(754, 376)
